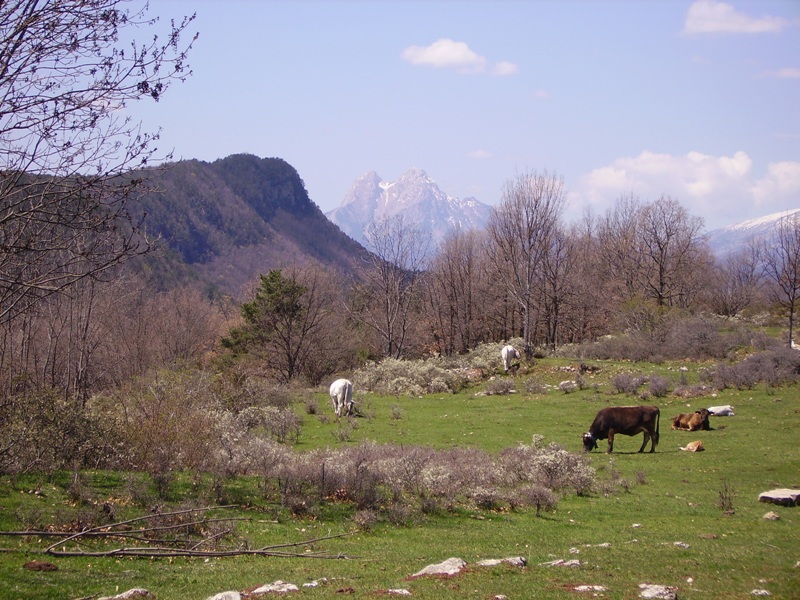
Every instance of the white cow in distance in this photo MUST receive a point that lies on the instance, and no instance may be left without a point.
(342, 397)
(508, 353)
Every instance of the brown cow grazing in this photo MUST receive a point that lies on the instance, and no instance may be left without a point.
(692, 422)
(627, 420)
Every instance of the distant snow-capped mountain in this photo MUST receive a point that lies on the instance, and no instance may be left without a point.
(732, 237)
(416, 197)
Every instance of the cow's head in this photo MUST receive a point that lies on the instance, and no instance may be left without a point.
(589, 442)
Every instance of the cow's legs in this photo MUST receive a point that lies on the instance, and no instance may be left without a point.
(644, 441)
(610, 441)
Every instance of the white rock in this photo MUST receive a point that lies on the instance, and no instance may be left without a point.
(399, 592)
(449, 567)
(760, 593)
(658, 592)
(589, 588)
(225, 596)
(130, 595)
(681, 544)
(280, 587)
(516, 561)
(782, 496)
(562, 563)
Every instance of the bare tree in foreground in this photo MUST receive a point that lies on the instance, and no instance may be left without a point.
(65, 143)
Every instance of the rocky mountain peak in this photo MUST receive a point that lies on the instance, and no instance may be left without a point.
(415, 196)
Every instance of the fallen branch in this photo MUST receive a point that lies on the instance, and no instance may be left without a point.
(160, 552)
(169, 548)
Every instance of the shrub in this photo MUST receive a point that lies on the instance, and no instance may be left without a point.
(773, 367)
(538, 496)
(659, 386)
(44, 431)
(627, 383)
(400, 377)
(394, 482)
(534, 387)
(499, 386)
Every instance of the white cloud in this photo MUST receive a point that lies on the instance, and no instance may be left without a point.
(505, 68)
(720, 189)
(787, 73)
(480, 154)
(712, 16)
(445, 53)
(781, 181)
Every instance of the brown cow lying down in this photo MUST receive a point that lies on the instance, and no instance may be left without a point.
(692, 422)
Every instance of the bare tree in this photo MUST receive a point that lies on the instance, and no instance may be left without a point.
(520, 231)
(782, 266)
(671, 244)
(65, 144)
(735, 282)
(619, 257)
(556, 285)
(386, 300)
(456, 292)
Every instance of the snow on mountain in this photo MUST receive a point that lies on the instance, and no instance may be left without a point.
(416, 197)
(732, 237)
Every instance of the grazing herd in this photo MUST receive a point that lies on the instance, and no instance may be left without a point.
(609, 421)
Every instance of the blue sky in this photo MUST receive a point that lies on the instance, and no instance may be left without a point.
(699, 101)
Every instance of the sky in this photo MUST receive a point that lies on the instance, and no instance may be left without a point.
(695, 100)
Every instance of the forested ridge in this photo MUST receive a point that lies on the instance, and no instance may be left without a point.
(223, 223)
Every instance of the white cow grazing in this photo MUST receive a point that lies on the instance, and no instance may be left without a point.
(721, 411)
(508, 353)
(342, 397)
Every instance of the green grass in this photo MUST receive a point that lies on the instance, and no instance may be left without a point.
(673, 496)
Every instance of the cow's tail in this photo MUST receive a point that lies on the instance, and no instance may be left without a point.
(658, 419)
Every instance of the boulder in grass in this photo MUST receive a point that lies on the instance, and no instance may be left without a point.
(132, 594)
(658, 592)
(226, 596)
(514, 561)
(782, 496)
(276, 587)
(451, 566)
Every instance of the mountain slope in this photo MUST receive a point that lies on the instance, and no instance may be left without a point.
(226, 222)
(733, 237)
(415, 197)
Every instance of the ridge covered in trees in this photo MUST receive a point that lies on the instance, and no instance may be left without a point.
(226, 222)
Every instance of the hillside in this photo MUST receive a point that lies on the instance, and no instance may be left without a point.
(223, 223)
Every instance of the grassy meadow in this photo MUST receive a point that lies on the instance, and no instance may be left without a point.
(688, 520)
